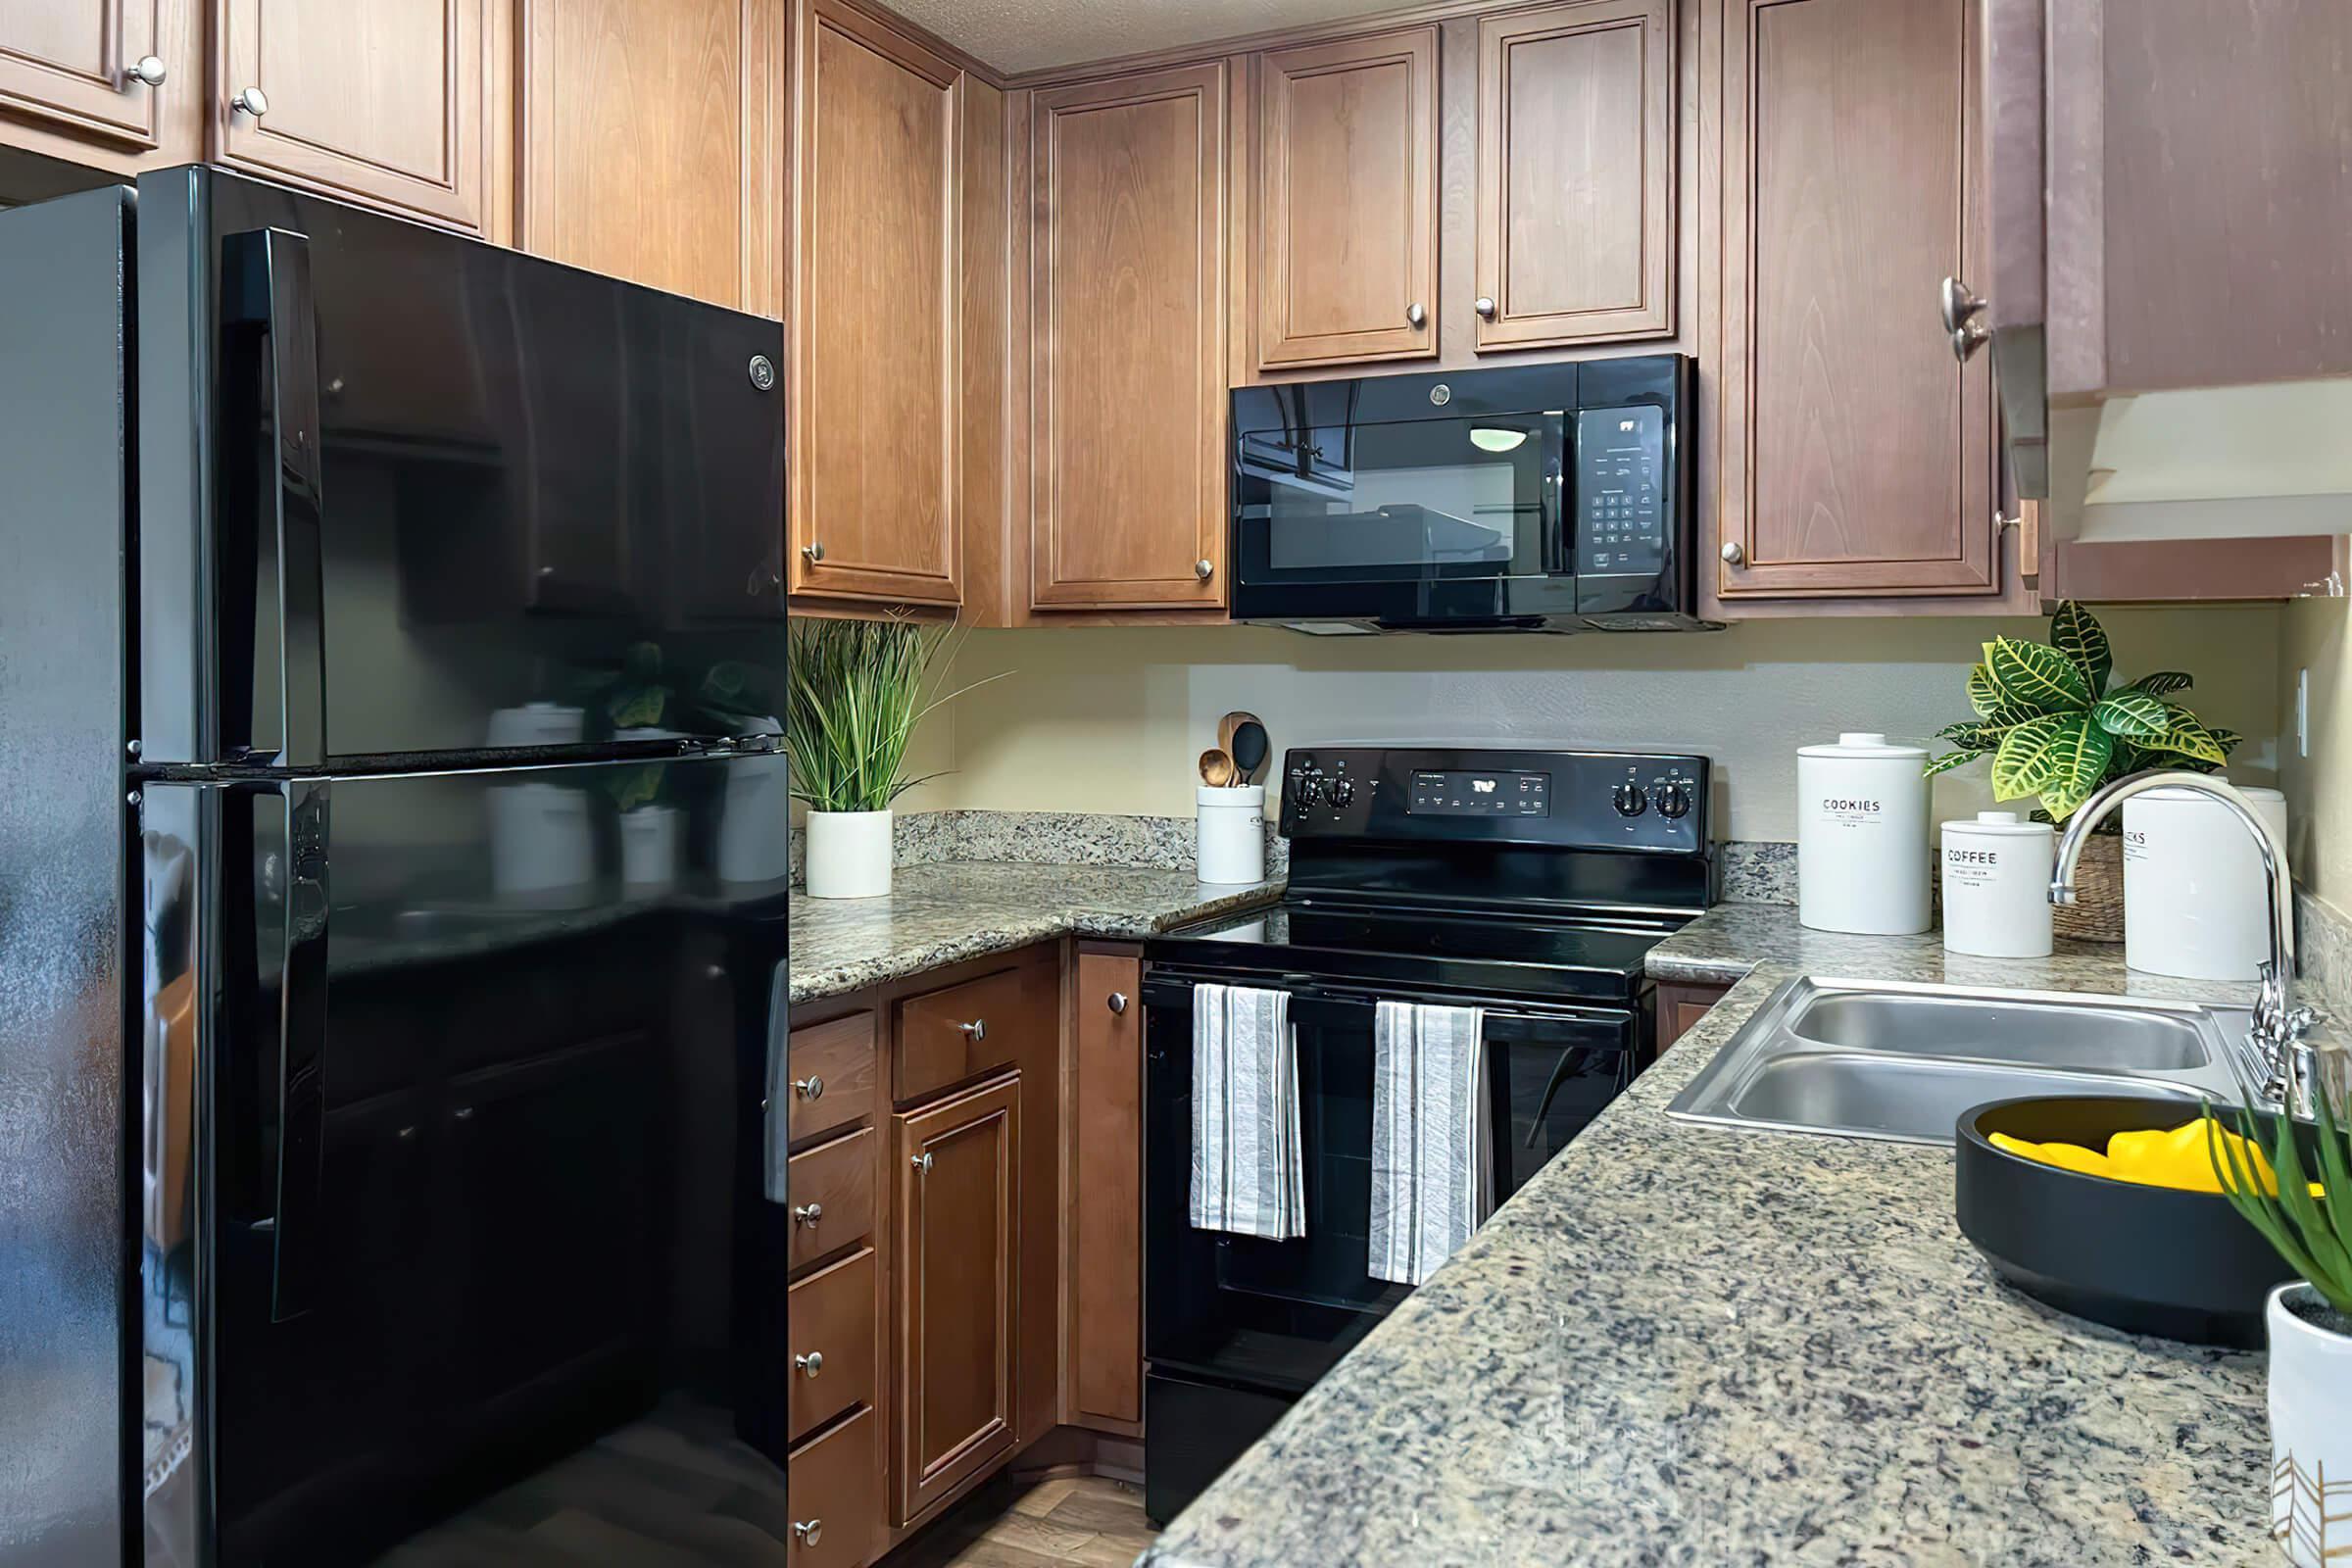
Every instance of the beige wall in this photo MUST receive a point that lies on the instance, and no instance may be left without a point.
(1111, 720)
(2318, 787)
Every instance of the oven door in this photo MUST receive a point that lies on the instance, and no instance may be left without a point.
(1276, 1315)
(1424, 519)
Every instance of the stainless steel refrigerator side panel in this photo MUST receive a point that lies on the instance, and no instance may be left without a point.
(65, 423)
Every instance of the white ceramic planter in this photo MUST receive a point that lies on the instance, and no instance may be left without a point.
(849, 855)
(2311, 1433)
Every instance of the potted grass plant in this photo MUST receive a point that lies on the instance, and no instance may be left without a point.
(854, 691)
(2304, 1207)
(2058, 723)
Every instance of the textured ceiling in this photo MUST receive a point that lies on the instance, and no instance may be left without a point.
(1015, 35)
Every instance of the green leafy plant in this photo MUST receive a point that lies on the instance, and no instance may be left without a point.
(2312, 1234)
(2057, 723)
(854, 691)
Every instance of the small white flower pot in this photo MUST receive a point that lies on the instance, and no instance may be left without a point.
(2311, 1431)
(849, 855)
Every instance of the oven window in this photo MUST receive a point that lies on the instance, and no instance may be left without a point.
(1430, 498)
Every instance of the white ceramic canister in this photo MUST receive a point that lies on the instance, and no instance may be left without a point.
(1862, 836)
(1996, 886)
(2195, 901)
(541, 843)
(1232, 833)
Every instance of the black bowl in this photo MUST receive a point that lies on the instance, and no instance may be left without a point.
(2145, 1259)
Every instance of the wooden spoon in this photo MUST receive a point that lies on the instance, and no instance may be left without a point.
(1216, 768)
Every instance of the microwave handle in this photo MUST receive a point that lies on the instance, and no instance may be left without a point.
(1558, 522)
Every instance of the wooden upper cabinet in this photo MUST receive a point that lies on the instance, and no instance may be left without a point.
(1347, 200)
(1127, 370)
(1576, 173)
(68, 64)
(651, 143)
(875, 289)
(958, 1237)
(1858, 455)
(379, 103)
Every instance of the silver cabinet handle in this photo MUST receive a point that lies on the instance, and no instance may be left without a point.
(1967, 338)
(977, 1029)
(808, 1214)
(148, 69)
(810, 1531)
(812, 550)
(1118, 1001)
(1415, 315)
(1959, 303)
(1732, 554)
(252, 101)
(1204, 570)
(1484, 308)
(809, 1088)
(810, 1366)
(922, 1162)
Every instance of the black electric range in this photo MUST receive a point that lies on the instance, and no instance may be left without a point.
(1529, 883)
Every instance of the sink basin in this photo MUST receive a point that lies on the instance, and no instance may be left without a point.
(1903, 1061)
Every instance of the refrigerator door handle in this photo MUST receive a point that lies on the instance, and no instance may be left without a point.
(269, 274)
(301, 1052)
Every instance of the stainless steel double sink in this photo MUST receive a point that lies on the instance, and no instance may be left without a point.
(1876, 1059)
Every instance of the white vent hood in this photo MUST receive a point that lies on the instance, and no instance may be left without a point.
(2224, 463)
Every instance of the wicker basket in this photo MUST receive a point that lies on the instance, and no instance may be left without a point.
(2098, 912)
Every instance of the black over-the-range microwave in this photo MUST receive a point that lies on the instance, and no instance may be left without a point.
(1537, 498)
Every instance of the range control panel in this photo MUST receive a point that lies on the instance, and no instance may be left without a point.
(1650, 802)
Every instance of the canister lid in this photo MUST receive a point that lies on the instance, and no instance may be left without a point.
(1998, 823)
(2185, 792)
(1864, 743)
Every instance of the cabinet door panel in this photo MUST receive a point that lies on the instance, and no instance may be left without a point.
(1576, 171)
(66, 63)
(958, 1167)
(649, 140)
(873, 471)
(1106, 1218)
(1858, 453)
(378, 103)
(1347, 200)
(1127, 388)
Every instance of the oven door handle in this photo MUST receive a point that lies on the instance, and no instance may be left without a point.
(1601, 1031)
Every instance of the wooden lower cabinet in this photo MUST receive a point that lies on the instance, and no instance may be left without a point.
(1106, 1211)
(1681, 1006)
(958, 1237)
(835, 1484)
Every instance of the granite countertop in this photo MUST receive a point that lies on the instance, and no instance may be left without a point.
(942, 913)
(1703, 1345)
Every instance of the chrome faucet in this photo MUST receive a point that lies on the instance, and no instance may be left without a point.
(2289, 1064)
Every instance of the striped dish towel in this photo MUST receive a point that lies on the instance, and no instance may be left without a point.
(1432, 1132)
(1247, 1176)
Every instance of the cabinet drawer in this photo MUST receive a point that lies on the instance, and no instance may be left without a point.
(947, 1036)
(831, 1189)
(830, 1327)
(830, 1075)
(836, 1488)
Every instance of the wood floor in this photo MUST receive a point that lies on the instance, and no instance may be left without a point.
(677, 1490)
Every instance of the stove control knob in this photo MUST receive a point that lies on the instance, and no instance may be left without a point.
(1310, 790)
(1341, 792)
(1629, 801)
(1674, 802)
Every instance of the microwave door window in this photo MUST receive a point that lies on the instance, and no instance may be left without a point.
(1427, 499)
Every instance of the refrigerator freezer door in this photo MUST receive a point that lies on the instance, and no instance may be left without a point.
(426, 482)
(64, 1213)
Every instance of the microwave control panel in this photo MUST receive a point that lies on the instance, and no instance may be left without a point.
(1620, 505)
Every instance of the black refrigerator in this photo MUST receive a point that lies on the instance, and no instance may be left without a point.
(392, 865)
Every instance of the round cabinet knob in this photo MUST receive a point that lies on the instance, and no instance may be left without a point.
(1968, 338)
(1341, 792)
(1959, 302)
(148, 69)
(812, 550)
(808, 1531)
(1628, 799)
(1415, 316)
(252, 101)
(1732, 554)
(922, 1162)
(809, 1088)
(1674, 802)
(1117, 1001)
(1204, 570)
(977, 1028)
(1484, 308)
(811, 1364)
(808, 1214)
